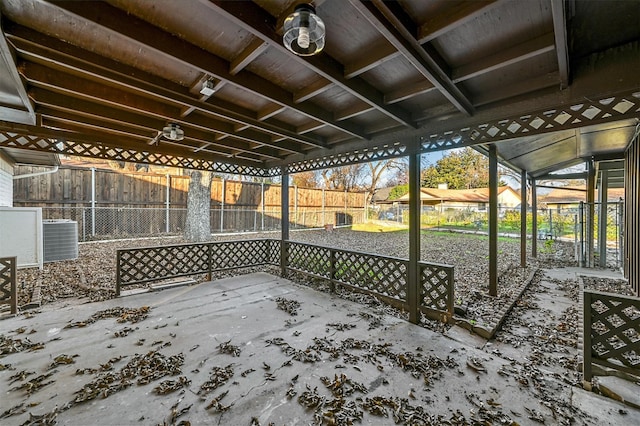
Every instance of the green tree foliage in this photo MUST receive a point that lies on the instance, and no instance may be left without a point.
(463, 169)
(398, 191)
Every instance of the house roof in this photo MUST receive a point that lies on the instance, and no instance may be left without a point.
(476, 195)
(381, 194)
(103, 78)
(575, 194)
(36, 158)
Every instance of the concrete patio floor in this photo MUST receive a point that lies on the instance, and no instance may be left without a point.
(360, 358)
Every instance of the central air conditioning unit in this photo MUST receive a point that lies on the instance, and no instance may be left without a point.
(59, 240)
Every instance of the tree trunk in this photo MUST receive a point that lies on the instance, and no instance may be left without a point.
(198, 224)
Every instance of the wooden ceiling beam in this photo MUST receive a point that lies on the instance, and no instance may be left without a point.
(375, 56)
(519, 88)
(83, 127)
(505, 57)
(309, 127)
(195, 89)
(58, 82)
(560, 33)
(108, 140)
(177, 49)
(456, 16)
(352, 111)
(255, 20)
(393, 29)
(312, 90)
(270, 111)
(62, 55)
(25, 114)
(255, 48)
(408, 91)
(60, 106)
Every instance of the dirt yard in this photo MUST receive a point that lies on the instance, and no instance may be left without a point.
(92, 275)
(529, 374)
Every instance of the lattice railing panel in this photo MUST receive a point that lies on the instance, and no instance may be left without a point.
(384, 275)
(344, 159)
(613, 323)
(436, 287)
(311, 259)
(239, 254)
(100, 150)
(155, 263)
(273, 252)
(8, 288)
(581, 114)
(141, 265)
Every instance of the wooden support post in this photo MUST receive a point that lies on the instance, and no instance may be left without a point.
(295, 205)
(263, 209)
(93, 201)
(118, 274)
(284, 220)
(586, 341)
(493, 221)
(602, 218)
(413, 280)
(534, 220)
(222, 199)
(523, 219)
(167, 204)
(591, 187)
(324, 219)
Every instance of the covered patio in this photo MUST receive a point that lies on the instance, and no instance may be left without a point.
(538, 85)
(258, 349)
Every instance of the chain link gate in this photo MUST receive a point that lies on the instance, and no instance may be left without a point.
(607, 243)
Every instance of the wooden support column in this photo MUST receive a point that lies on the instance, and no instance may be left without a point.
(413, 279)
(523, 219)
(602, 218)
(222, 203)
(591, 189)
(493, 221)
(284, 220)
(93, 201)
(167, 204)
(534, 220)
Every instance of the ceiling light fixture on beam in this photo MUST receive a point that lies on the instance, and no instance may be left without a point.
(173, 132)
(304, 31)
(208, 87)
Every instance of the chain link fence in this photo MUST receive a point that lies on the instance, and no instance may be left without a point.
(103, 223)
(567, 223)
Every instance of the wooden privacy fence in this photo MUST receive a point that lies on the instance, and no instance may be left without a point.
(381, 276)
(83, 187)
(8, 287)
(611, 333)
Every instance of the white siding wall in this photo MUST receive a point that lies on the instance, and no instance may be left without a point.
(6, 183)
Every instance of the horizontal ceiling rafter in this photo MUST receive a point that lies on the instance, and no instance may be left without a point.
(65, 55)
(258, 22)
(174, 48)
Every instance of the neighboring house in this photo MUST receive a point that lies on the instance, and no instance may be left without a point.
(381, 196)
(570, 197)
(465, 199)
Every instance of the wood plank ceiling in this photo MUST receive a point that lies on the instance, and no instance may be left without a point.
(117, 72)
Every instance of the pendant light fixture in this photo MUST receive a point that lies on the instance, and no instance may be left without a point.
(173, 132)
(304, 31)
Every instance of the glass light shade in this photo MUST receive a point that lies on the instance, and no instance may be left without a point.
(173, 132)
(304, 31)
